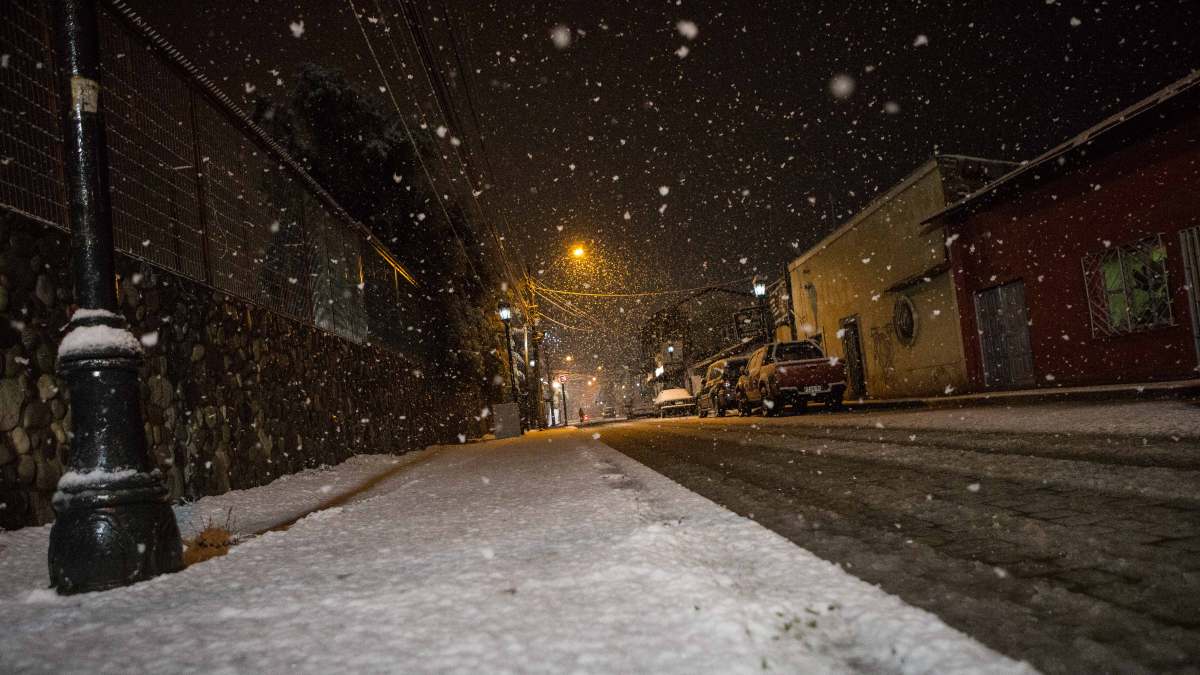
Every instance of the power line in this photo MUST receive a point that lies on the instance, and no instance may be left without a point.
(575, 311)
(412, 140)
(447, 113)
(642, 293)
(556, 321)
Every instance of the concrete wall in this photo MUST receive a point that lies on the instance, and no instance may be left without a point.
(853, 270)
(233, 396)
(1149, 187)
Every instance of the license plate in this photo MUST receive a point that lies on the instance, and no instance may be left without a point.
(815, 389)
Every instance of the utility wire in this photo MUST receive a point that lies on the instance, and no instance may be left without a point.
(643, 293)
(556, 321)
(447, 116)
(412, 140)
(574, 311)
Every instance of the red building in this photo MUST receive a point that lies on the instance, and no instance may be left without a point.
(1083, 266)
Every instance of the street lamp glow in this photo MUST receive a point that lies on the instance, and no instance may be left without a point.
(760, 287)
(505, 311)
(578, 252)
(570, 358)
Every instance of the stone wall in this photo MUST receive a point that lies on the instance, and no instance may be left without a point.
(233, 395)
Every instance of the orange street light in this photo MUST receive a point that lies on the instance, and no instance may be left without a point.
(578, 251)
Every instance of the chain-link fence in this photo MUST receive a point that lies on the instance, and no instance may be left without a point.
(197, 188)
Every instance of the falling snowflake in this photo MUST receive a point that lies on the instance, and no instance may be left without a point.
(560, 35)
(687, 29)
(297, 28)
(842, 86)
(921, 41)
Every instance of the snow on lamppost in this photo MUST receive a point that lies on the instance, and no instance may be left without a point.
(505, 312)
(114, 525)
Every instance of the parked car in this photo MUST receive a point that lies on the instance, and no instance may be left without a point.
(641, 409)
(790, 373)
(718, 392)
(610, 411)
(671, 402)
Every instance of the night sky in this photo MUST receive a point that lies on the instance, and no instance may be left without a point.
(699, 142)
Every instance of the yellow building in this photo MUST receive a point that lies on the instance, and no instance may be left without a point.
(879, 294)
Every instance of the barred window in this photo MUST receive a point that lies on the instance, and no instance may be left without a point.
(1127, 288)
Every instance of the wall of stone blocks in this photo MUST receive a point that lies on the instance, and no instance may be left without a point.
(233, 395)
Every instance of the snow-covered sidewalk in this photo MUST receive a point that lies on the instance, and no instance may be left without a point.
(549, 553)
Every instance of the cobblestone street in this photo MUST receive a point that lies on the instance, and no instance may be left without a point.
(1075, 549)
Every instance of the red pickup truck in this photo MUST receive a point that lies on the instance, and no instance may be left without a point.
(790, 373)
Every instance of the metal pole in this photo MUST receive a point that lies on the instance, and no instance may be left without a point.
(537, 379)
(565, 408)
(512, 369)
(534, 322)
(114, 525)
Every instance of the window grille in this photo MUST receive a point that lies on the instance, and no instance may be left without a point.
(1127, 288)
(904, 320)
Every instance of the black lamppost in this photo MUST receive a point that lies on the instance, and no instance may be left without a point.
(760, 295)
(114, 525)
(505, 312)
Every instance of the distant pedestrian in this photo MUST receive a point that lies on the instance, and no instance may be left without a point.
(581, 415)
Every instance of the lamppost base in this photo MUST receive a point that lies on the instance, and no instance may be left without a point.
(96, 549)
(114, 525)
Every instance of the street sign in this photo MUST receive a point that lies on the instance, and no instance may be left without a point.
(562, 379)
(750, 322)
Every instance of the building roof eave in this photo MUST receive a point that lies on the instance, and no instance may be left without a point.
(984, 197)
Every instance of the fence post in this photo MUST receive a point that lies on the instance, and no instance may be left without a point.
(201, 190)
(114, 526)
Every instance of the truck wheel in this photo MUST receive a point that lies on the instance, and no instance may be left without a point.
(720, 412)
(768, 404)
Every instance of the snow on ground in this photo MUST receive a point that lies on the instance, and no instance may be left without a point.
(544, 554)
(1121, 418)
(245, 512)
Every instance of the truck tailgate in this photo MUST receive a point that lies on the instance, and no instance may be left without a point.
(808, 373)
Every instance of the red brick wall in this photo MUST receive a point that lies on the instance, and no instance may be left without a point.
(1041, 235)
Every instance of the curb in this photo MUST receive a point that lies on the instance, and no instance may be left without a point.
(1142, 392)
